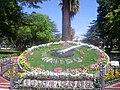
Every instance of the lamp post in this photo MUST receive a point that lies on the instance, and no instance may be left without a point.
(114, 67)
(102, 82)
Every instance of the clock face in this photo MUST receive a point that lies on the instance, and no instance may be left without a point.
(72, 56)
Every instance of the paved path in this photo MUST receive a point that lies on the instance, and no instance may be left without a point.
(4, 84)
(115, 86)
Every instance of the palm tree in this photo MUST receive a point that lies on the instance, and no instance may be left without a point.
(69, 9)
(31, 3)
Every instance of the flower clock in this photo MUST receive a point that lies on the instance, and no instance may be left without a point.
(63, 59)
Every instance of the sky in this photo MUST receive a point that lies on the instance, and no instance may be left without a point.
(80, 22)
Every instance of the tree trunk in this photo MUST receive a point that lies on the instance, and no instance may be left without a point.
(66, 22)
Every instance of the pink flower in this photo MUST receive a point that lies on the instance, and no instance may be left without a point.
(30, 52)
(99, 53)
(101, 59)
(102, 55)
(24, 57)
(79, 69)
(57, 69)
(85, 68)
(94, 65)
(67, 70)
(72, 70)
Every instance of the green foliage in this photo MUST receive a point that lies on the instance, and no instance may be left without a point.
(23, 36)
(112, 75)
(96, 83)
(109, 20)
(74, 6)
(22, 29)
(31, 3)
(54, 27)
(56, 33)
(41, 28)
(37, 29)
(91, 33)
(10, 18)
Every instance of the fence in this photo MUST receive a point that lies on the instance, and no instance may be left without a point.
(58, 84)
(62, 84)
(4, 46)
(50, 83)
(4, 65)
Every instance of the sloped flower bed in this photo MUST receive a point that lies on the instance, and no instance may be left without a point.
(45, 60)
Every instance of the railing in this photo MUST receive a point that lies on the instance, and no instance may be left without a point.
(50, 83)
(5, 46)
(4, 65)
(57, 84)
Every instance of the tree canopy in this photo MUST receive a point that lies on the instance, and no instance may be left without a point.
(10, 18)
(31, 3)
(41, 27)
(38, 30)
(107, 24)
(20, 28)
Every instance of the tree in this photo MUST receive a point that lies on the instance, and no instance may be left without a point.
(24, 37)
(10, 18)
(41, 28)
(92, 36)
(113, 22)
(56, 33)
(109, 21)
(31, 3)
(72, 33)
(102, 12)
(69, 9)
(54, 28)
(37, 30)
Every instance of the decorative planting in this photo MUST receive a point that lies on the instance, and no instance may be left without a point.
(64, 59)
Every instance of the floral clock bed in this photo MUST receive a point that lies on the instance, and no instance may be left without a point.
(62, 58)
